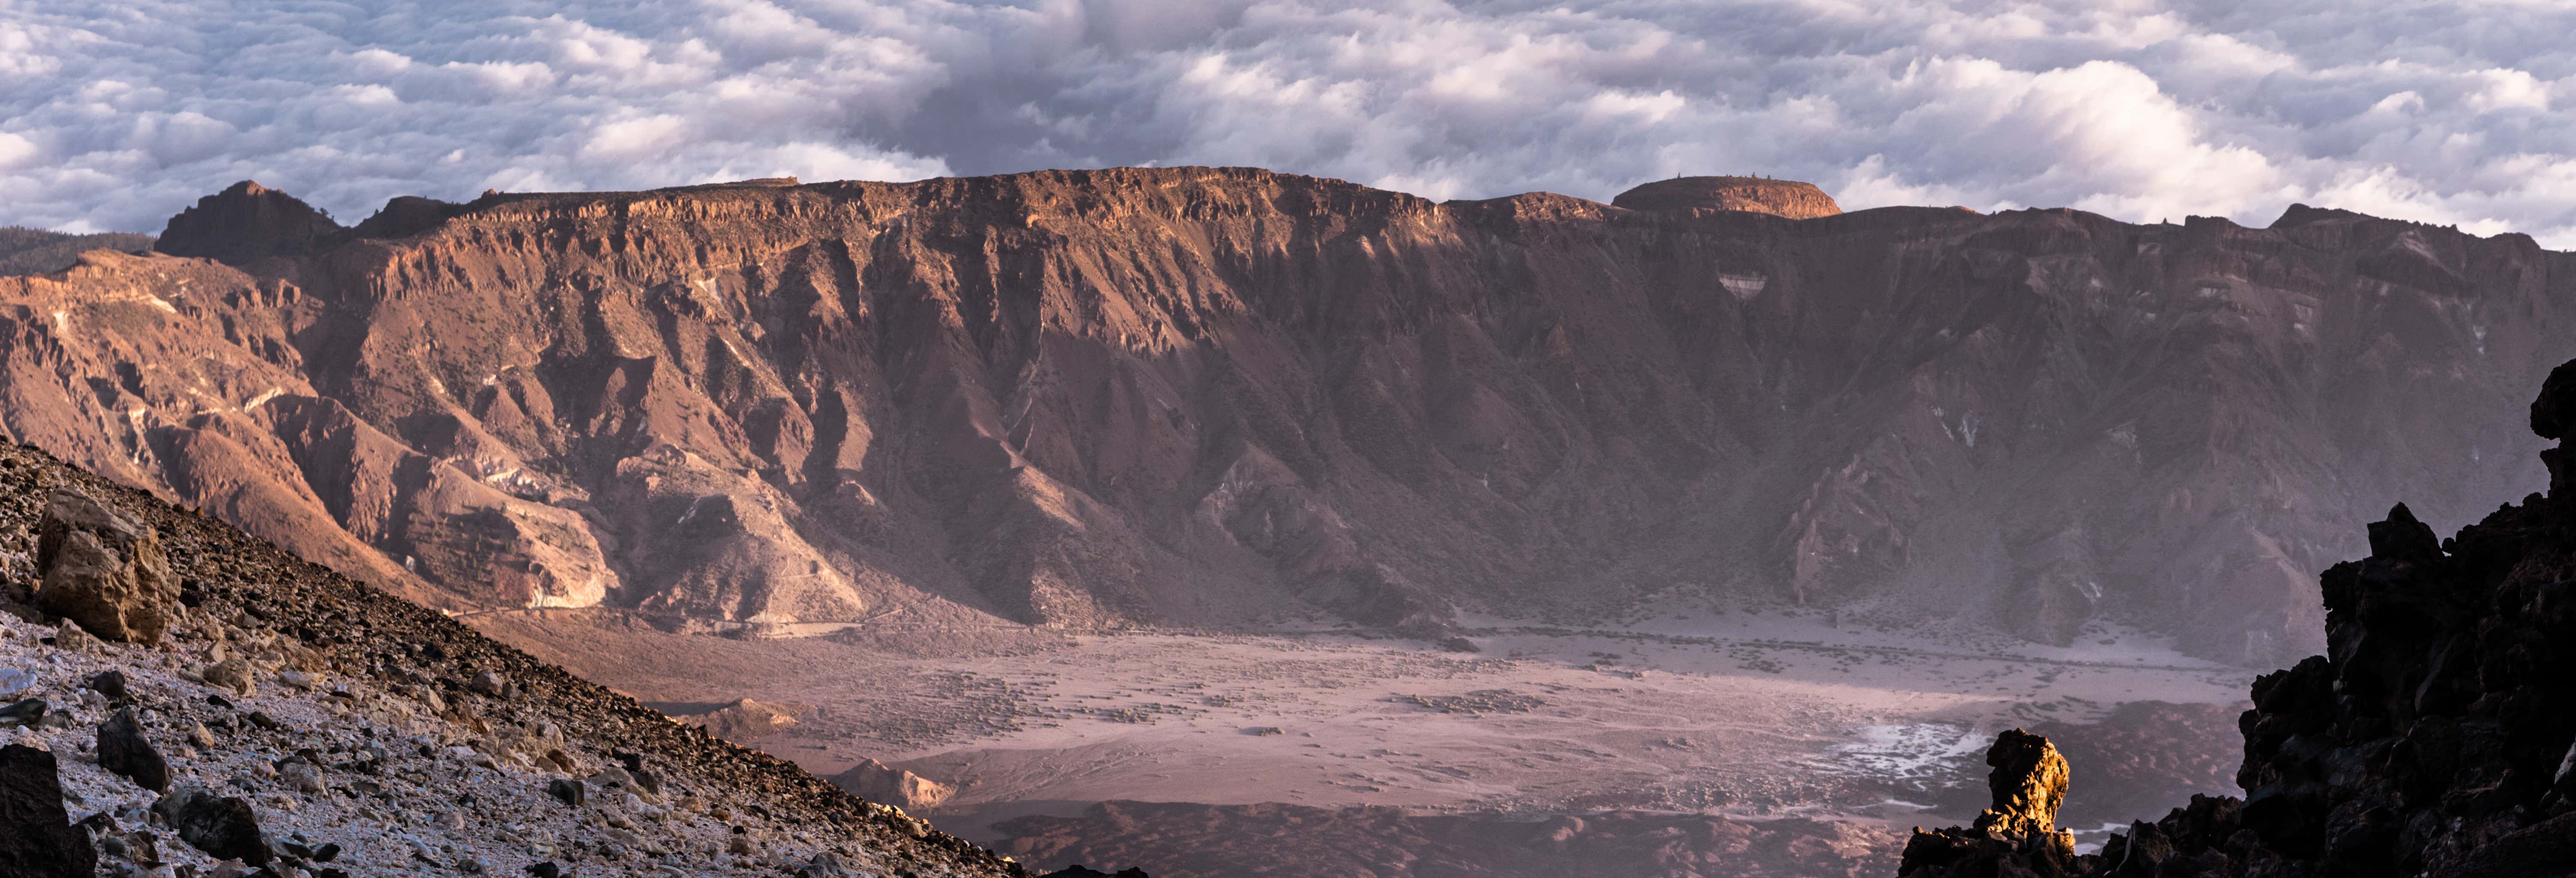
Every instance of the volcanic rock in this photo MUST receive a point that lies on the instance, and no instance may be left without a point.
(103, 570)
(2433, 738)
(246, 222)
(37, 838)
(223, 826)
(122, 749)
(2028, 783)
(1788, 198)
(1079, 870)
(26, 712)
(878, 782)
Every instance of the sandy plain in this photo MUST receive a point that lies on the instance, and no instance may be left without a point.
(1743, 713)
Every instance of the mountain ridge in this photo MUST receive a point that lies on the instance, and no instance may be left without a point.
(1224, 396)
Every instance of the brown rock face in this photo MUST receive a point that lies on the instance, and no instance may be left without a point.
(2028, 782)
(103, 571)
(1206, 396)
(246, 222)
(886, 785)
(1788, 198)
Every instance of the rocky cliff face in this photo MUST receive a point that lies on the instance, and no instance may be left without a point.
(1203, 396)
(2434, 737)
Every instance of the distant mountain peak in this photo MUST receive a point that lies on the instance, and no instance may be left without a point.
(244, 222)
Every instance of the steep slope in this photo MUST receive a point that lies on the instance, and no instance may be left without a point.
(290, 718)
(1207, 396)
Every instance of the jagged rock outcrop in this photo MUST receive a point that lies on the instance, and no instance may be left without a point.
(1788, 198)
(2437, 734)
(103, 570)
(2028, 782)
(878, 782)
(1209, 395)
(746, 719)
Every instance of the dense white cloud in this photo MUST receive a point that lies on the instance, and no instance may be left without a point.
(118, 112)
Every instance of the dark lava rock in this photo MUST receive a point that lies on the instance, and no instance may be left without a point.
(222, 826)
(569, 792)
(2437, 735)
(37, 838)
(23, 713)
(2028, 783)
(110, 683)
(1078, 870)
(546, 869)
(123, 750)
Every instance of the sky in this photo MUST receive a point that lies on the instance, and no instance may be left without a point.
(115, 114)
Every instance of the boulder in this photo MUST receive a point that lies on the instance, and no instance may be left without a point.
(37, 838)
(222, 826)
(123, 751)
(887, 785)
(102, 570)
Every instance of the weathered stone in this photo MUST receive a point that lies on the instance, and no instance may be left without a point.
(884, 784)
(110, 683)
(222, 826)
(124, 751)
(747, 719)
(2018, 834)
(23, 713)
(233, 674)
(2028, 783)
(300, 776)
(568, 791)
(37, 838)
(103, 570)
(487, 683)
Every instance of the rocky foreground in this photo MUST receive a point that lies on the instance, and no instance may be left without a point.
(180, 700)
(2436, 737)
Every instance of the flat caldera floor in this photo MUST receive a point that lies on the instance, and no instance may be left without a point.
(1745, 714)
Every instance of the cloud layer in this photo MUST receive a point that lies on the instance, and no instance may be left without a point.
(119, 112)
